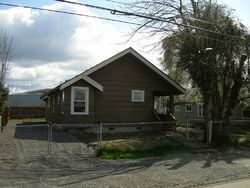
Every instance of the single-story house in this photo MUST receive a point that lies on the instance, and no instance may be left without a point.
(122, 88)
(27, 104)
(195, 111)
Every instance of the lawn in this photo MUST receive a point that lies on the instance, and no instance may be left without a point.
(240, 140)
(132, 145)
(116, 152)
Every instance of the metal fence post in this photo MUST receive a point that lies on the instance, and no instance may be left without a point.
(1, 123)
(97, 132)
(51, 137)
(209, 131)
(208, 121)
(187, 127)
(48, 126)
(100, 141)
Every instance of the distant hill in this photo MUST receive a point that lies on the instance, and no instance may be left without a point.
(40, 91)
(28, 98)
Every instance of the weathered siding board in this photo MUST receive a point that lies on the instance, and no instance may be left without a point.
(182, 114)
(114, 104)
(67, 117)
(119, 79)
(20, 112)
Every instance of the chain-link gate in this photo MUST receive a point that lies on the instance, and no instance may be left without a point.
(24, 141)
(68, 140)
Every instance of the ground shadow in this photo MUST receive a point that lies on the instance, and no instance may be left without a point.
(71, 170)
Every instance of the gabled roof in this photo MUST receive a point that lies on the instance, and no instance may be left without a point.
(85, 74)
(84, 77)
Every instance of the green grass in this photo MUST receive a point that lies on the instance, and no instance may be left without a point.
(110, 152)
(240, 140)
(191, 125)
(131, 145)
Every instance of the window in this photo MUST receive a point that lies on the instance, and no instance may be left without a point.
(177, 108)
(79, 100)
(137, 96)
(246, 112)
(200, 110)
(188, 107)
(62, 102)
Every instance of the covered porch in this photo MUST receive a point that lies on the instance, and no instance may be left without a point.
(164, 110)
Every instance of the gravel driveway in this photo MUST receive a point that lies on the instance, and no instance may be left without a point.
(182, 170)
(32, 140)
(72, 165)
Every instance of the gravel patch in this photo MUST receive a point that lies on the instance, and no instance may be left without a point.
(182, 170)
(72, 165)
(30, 141)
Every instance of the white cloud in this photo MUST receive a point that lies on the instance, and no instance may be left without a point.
(52, 47)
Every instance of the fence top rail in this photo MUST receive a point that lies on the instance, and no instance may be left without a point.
(220, 121)
(139, 123)
(25, 126)
(75, 125)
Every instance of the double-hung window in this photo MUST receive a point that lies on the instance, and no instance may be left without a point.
(188, 107)
(177, 108)
(200, 110)
(79, 100)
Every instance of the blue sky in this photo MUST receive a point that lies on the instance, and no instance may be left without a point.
(241, 9)
(50, 47)
(241, 6)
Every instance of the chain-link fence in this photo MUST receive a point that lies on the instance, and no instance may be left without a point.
(24, 141)
(206, 130)
(44, 140)
(71, 139)
(64, 140)
(129, 135)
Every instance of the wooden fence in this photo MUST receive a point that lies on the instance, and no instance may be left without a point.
(20, 112)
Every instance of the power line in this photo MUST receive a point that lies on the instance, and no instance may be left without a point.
(127, 4)
(96, 17)
(70, 13)
(114, 11)
(29, 80)
(77, 14)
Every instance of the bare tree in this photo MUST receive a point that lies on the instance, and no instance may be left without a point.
(6, 51)
(204, 39)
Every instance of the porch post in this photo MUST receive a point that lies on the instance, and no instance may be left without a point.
(171, 104)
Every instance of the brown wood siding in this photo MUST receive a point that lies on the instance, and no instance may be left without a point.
(118, 79)
(67, 117)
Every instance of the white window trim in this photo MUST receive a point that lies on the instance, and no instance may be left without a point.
(186, 108)
(177, 108)
(87, 101)
(132, 95)
(198, 111)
